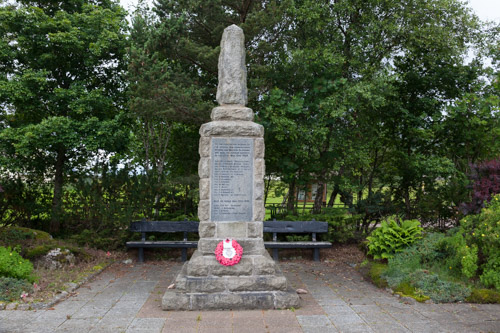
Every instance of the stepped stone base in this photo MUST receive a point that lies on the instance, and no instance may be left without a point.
(256, 282)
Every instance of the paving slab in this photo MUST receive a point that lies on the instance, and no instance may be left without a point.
(127, 298)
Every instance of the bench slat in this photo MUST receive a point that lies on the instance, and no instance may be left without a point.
(297, 245)
(178, 244)
(295, 227)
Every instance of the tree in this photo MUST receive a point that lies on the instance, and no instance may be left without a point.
(61, 88)
(374, 80)
(163, 100)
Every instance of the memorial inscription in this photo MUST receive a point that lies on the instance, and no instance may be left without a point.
(232, 179)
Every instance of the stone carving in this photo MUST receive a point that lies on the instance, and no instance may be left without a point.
(232, 88)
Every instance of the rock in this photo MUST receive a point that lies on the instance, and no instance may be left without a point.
(301, 291)
(232, 88)
(70, 286)
(57, 258)
(172, 286)
(23, 307)
(408, 300)
(11, 306)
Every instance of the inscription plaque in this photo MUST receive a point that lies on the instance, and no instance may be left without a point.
(231, 181)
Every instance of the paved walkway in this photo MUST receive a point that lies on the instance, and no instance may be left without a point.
(127, 299)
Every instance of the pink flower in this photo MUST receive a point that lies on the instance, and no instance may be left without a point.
(108, 254)
(24, 295)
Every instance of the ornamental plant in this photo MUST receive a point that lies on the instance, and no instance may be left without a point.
(392, 237)
(11, 289)
(483, 231)
(15, 266)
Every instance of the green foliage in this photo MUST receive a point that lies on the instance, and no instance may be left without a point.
(484, 296)
(341, 225)
(491, 273)
(107, 240)
(460, 258)
(11, 289)
(15, 266)
(392, 237)
(438, 289)
(298, 238)
(61, 89)
(482, 231)
(376, 271)
(11, 234)
(420, 268)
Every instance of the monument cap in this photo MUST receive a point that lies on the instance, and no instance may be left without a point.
(232, 88)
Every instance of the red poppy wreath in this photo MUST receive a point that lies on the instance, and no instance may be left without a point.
(228, 252)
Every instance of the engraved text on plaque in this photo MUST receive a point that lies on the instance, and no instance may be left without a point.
(231, 183)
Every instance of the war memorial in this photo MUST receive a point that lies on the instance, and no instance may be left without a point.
(231, 269)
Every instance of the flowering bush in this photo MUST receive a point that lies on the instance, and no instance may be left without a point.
(15, 266)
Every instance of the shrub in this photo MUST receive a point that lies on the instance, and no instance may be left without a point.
(409, 272)
(392, 237)
(491, 274)
(484, 296)
(13, 265)
(461, 259)
(341, 225)
(483, 231)
(437, 289)
(375, 273)
(401, 266)
(11, 289)
(13, 234)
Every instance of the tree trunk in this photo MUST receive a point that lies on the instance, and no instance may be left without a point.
(333, 197)
(155, 205)
(290, 205)
(318, 201)
(406, 195)
(55, 222)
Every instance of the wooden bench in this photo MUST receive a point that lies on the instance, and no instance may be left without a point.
(296, 227)
(163, 226)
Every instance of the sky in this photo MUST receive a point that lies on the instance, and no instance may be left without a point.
(485, 9)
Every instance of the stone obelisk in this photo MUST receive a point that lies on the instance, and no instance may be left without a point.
(231, 171)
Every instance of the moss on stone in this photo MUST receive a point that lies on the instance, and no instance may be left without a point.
(407, 290)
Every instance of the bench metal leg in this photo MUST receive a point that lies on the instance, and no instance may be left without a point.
(141, 254)
(316, 254)
(275, 255)
(184, 254)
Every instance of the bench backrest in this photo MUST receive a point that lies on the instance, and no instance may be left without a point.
(164, 226)
(296, 227)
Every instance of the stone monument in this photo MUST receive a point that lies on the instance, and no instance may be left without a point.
(231, 206)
